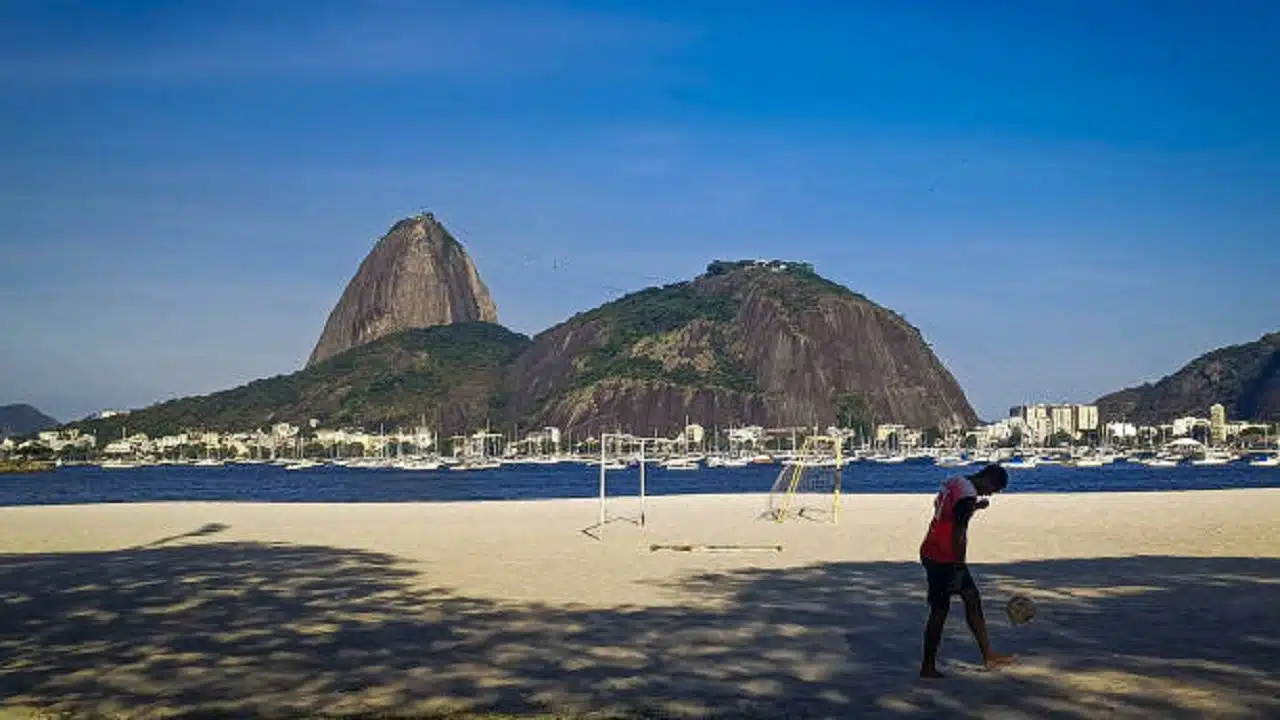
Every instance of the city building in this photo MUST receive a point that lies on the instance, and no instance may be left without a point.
(1042, 421)
(752, 435)
(1086, 418)
(1120, 430)
(1183, 426)
(1217, 424)
(888, 431)
(1062, 420)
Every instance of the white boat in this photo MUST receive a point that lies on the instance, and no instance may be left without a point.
(478, 465)
(952, 461)
(418, 465)
(1087, 462)
(1159, 462)
(681, 464)
(543, 460)
(889, 459)
(1212, 459)
(817, 462)
(1268, 461)
(207, 463)
(1022, 464)
(301, 465)
(118, 465)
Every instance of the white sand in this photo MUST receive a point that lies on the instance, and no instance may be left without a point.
(1150, 604)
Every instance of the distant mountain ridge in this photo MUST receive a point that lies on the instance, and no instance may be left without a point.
(1244, 378)
(448, 376)
(417, 276)
(23, 419)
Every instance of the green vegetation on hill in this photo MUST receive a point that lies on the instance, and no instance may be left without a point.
(654, 312)
(748, 342)
(395, 380)
(1244, 378)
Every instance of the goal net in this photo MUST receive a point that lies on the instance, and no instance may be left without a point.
(808, 486)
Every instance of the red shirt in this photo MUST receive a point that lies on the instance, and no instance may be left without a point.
(939, 541)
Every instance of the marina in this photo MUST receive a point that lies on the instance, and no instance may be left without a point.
(438, 481)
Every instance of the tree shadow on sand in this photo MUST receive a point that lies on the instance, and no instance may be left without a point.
(240, 629)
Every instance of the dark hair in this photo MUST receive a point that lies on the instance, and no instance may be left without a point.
(995, 474)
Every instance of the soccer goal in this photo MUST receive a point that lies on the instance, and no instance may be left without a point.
(808, 487)
(617, 451)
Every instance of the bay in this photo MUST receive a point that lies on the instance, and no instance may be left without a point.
(268, 483)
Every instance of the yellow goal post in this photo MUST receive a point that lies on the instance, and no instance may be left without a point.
(808, 486)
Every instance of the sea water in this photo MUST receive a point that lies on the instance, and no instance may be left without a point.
(268, 483)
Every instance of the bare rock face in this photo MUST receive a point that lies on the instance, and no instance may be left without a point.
(747, 344)
(417, 276)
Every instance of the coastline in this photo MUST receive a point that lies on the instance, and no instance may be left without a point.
(1149, 602)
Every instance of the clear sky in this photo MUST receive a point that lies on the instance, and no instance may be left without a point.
(1066, 197)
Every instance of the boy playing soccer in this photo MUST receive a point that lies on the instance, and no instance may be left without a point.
(943, 555)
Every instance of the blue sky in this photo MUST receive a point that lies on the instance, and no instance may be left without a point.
(1066, 198)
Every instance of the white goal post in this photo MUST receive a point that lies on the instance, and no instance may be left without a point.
(621, 442)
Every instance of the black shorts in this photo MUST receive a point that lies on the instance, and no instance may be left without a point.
(940, 577)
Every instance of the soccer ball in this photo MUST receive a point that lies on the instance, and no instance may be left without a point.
(1020, 609)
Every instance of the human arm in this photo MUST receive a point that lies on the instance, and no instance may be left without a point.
(963, 511)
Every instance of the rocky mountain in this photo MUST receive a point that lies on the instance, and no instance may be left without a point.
(23, 420)
(1245, 379)
(449, 375)
(772, 344)
(746, 343)
(417, 276)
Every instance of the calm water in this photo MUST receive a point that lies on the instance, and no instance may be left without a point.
(254, 483)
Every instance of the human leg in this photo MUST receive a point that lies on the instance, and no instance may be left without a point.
(932, 640)
(978, 624)
(939, 596)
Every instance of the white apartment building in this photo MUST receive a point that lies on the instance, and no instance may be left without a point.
(1043, 421)
(1185, 425)
(1217, 424)
(1121, 430)
(1086, 418)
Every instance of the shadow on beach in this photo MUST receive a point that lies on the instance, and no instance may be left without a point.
(243, 629)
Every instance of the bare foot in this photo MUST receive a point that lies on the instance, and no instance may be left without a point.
(931, 673)
(996, 660)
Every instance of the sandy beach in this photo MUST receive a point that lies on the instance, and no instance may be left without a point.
(1150, 605)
